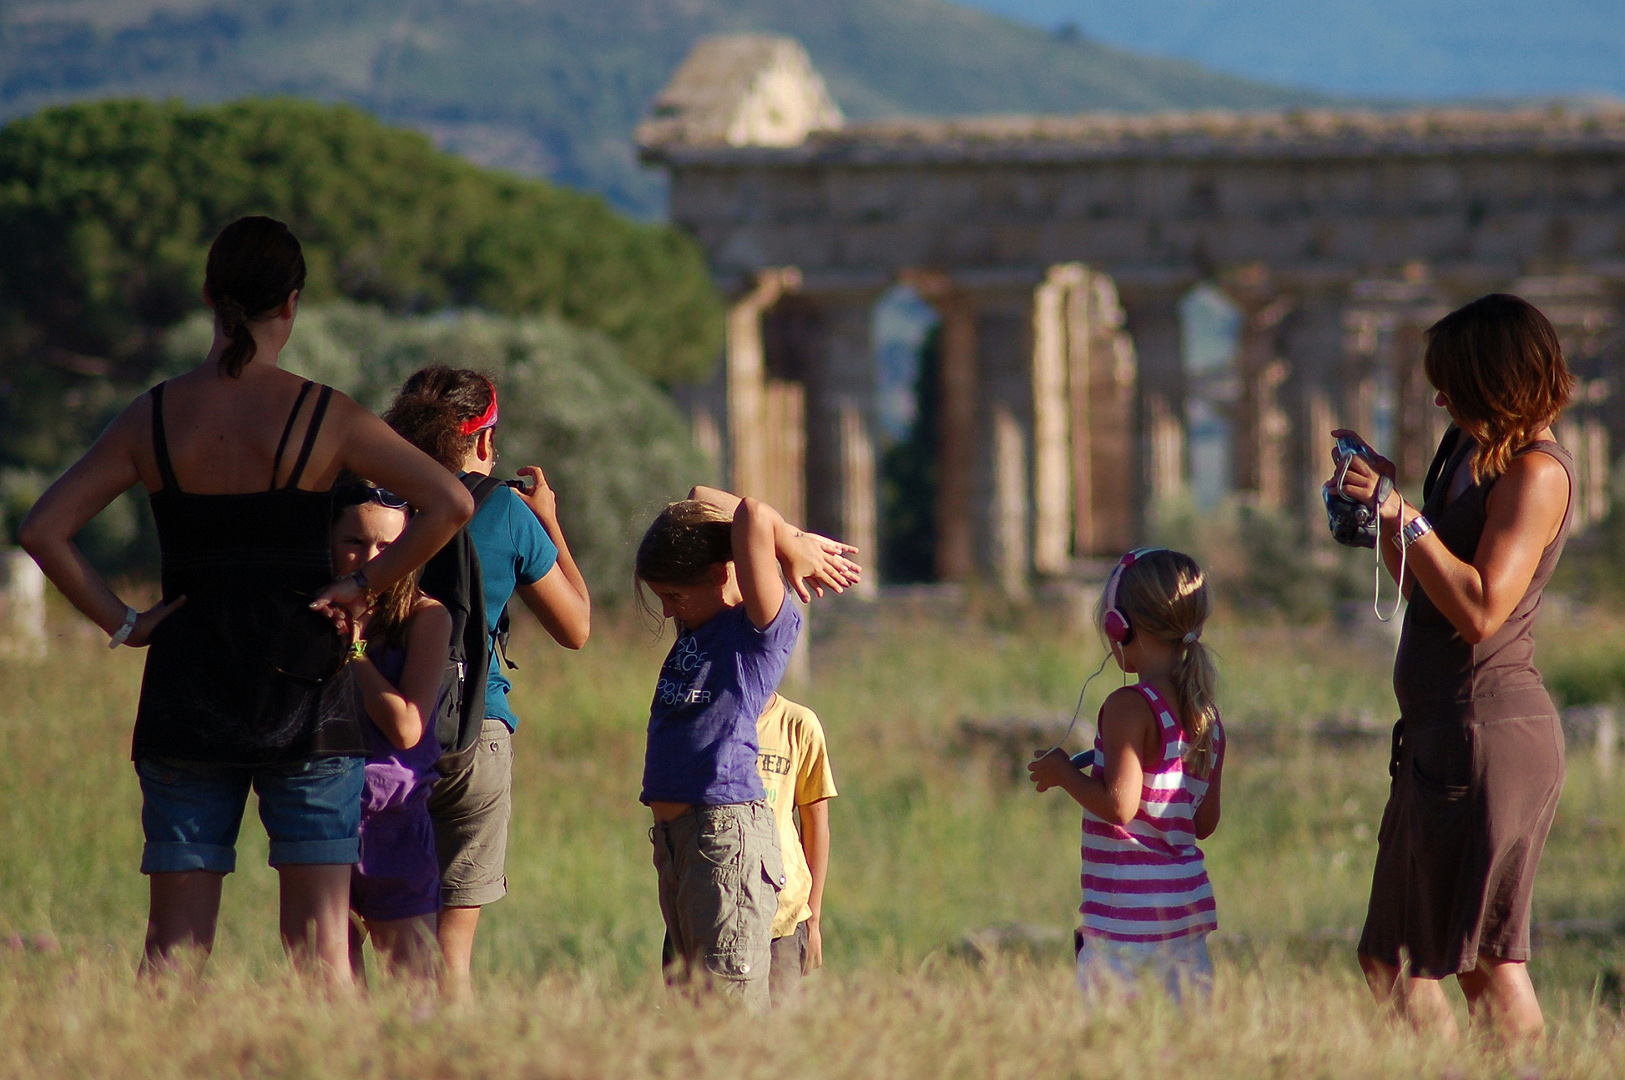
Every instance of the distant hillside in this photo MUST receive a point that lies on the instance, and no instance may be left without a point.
(1409, 48)
(554, 87)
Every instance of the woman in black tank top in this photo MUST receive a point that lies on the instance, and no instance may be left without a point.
(1478, 750)
(238, 458)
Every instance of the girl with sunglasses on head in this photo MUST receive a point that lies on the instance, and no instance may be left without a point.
(398, 658)
(1150, 788)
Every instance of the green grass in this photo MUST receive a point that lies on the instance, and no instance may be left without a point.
(931, 842)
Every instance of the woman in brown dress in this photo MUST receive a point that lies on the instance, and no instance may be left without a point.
(1478, 762)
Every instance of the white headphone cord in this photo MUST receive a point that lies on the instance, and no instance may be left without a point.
(1079, 709)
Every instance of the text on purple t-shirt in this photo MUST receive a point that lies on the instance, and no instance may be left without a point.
(702, 724)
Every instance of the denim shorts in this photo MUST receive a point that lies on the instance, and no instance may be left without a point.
(191, 812)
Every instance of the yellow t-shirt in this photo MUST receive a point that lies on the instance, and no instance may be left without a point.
(795, 771)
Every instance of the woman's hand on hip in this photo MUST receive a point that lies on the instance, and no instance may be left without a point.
(148, 620)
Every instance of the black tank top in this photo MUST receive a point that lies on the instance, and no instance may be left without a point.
(239, 672)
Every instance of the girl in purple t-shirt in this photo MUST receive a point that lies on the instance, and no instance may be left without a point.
(714, 561)
(398, 656)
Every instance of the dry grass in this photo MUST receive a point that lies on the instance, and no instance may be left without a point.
(930, 843)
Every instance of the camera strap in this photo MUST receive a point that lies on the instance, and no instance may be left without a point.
(1384, 487)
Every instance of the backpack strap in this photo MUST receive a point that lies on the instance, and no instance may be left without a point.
(482, 489)
(311, 430)
(160, 441)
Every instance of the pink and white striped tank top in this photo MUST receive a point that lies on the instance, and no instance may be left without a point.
(1145, 881)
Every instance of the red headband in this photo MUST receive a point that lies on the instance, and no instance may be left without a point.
(488, 419)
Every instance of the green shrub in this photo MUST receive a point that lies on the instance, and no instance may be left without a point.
(611, 443)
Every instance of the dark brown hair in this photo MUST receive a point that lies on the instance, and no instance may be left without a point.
(1499, 363)
(432, 407)
(254, 265)
(681, 546)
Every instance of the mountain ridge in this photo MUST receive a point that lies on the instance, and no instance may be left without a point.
(555, 87)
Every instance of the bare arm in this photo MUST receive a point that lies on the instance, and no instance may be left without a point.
(106, 471)
(815, 845)
(560, 600)
(402, 713)
(763, 542)
(1207, 815)
(1129, 731)
(1523, 514)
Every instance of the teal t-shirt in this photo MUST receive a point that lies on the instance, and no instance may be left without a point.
(514, 550)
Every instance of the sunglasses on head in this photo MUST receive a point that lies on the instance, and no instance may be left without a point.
(387, 498)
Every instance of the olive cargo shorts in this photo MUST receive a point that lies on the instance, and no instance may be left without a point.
(720, 874)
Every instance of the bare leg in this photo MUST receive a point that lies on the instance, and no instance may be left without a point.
(1500, 995)
(456, 933)
(407, 946)
(1420, 1002)
(181, 915)
(316, 919)
(358, 958)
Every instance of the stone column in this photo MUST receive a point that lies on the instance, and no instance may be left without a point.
(1105, 365)
(1058, 445)
(840, 444)
(22, 606)
(1261, 427)
(957, 430)
(1152, 320)
(1003, 480)
(748, 430)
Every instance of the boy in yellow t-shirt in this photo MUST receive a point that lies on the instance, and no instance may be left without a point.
(795, 771)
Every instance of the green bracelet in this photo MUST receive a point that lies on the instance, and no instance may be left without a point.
(358, 649)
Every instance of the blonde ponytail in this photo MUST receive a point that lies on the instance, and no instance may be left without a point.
(1195, 683)
(1164, 594)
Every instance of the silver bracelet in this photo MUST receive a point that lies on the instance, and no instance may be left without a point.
(1417, 528)
(122, 634)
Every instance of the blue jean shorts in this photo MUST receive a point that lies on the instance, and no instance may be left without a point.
(191, 812)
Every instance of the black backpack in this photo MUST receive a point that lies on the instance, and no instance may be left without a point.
(452, 576)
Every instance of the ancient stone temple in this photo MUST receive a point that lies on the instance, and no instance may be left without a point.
(1060, 252)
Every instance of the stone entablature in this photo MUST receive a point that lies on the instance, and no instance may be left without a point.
(1218, 134)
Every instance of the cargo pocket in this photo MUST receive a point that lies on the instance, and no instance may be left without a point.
(730, 964)
(720, 842)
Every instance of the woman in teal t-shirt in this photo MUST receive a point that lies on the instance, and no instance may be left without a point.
(451, 415)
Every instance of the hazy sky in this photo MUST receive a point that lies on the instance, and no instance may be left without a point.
(1407, 48)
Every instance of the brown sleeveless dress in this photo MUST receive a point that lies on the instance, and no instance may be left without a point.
(1477, 767)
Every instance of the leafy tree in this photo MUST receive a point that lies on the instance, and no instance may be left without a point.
(108, 209)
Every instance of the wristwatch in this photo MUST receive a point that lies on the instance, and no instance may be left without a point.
(1417, 528)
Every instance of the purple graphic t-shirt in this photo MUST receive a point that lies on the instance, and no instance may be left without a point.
(702, 723)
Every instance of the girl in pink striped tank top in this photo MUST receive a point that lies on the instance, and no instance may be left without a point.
(1150, 788)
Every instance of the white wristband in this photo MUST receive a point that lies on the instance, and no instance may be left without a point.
(122, 634)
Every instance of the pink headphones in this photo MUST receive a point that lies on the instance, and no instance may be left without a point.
(1112, 620)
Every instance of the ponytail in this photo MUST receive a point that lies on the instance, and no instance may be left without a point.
(1164, 594)
(254, 265)
(1195, 681)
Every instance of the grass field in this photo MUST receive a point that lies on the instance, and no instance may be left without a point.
(932, 842)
